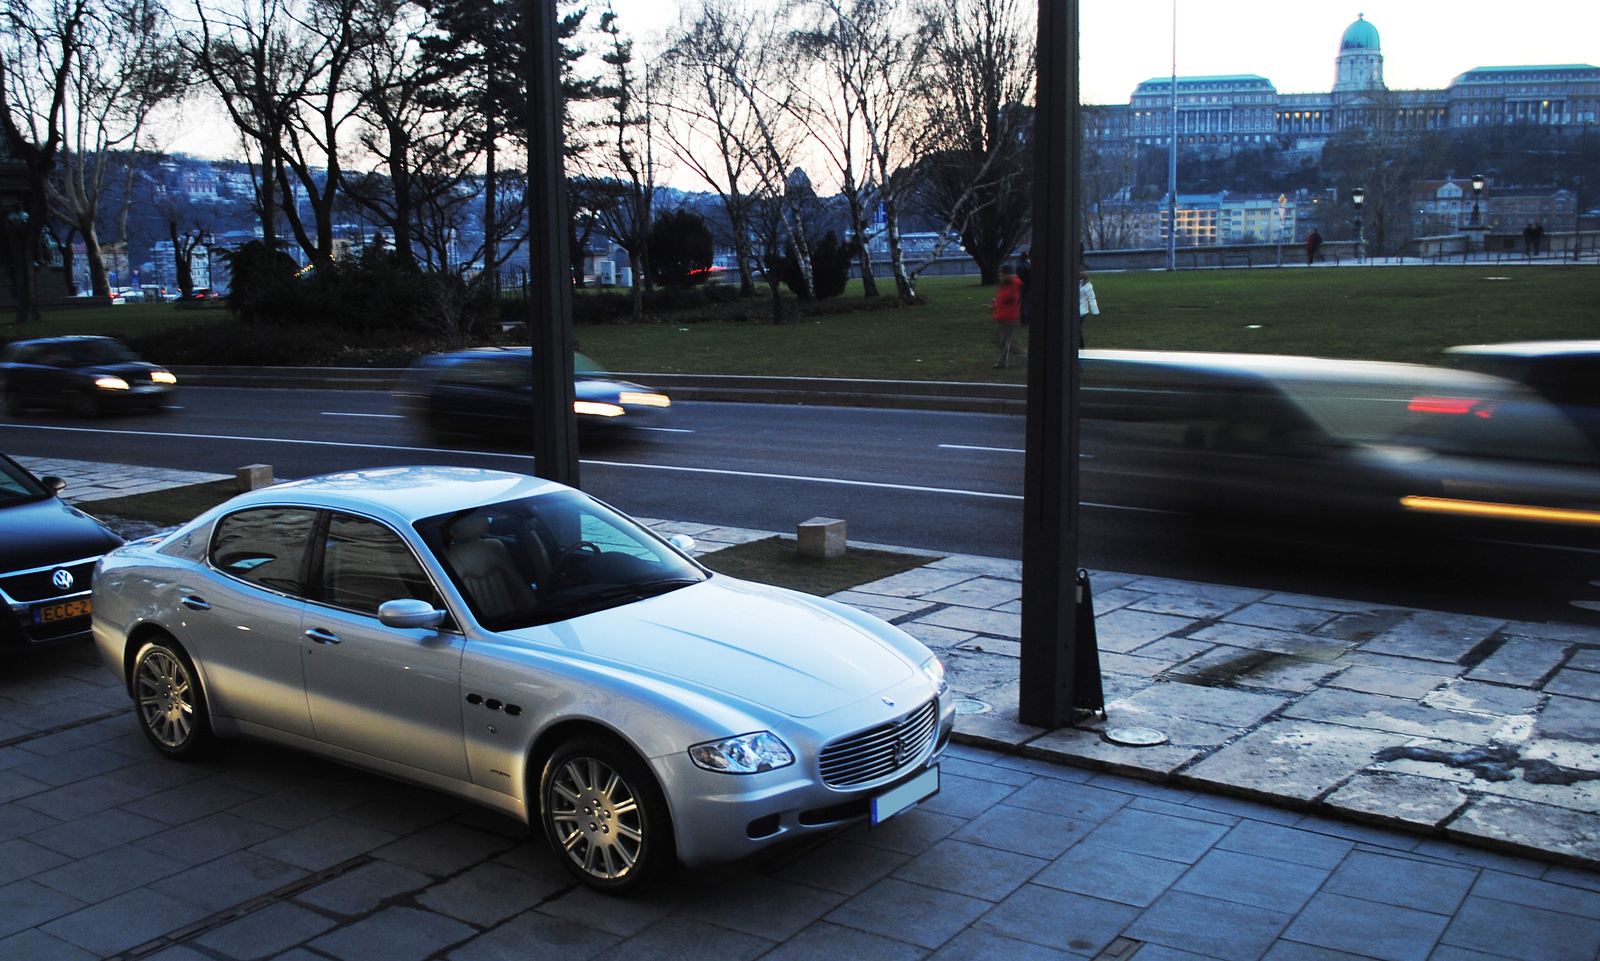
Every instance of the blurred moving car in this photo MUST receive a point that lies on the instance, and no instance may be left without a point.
(48, 551)
(86, 375)
(526, 647)
(1308, 440)
(488, 390)
(1566, 372)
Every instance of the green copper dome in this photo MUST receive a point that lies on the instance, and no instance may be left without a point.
(1360, 35)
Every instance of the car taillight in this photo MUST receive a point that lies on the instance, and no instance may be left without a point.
(1449, 405)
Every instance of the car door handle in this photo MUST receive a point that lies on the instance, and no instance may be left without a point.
(322, 637)
(196, 603)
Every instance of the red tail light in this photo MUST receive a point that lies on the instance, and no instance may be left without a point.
(1448, 405)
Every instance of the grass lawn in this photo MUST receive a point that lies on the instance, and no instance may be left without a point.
(1381, 313)
(1388, 313)
(776, 560)
(125, 320)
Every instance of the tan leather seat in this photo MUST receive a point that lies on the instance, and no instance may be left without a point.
(492, 580)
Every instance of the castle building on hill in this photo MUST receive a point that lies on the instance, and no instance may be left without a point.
(1238, 111)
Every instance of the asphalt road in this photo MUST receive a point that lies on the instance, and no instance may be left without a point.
(940, 481)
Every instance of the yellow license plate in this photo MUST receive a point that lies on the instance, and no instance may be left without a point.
(48, 613)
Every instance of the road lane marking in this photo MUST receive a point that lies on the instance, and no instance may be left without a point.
(1548, 547)
(1000, 450)
(666, 430)
(763, 475)
(340, 413)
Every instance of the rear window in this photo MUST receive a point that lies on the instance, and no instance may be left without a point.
(1465, 420)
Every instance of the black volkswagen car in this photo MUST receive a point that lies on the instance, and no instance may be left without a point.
(48, 551)
(86, 375)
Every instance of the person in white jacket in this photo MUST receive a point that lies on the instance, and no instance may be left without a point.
(1087, 305)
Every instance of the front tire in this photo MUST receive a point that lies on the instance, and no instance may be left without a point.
(14, 404)
(171, 707)
(604, 815)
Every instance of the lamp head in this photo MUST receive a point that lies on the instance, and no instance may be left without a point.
(1358, 196)
(1477, 183)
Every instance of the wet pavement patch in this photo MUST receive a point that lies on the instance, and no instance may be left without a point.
(1494, 762)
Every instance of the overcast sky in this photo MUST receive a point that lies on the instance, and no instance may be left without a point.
(1290, 42)
(1293, 42)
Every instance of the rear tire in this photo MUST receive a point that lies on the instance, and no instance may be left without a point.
(168, 700)
(605, 816)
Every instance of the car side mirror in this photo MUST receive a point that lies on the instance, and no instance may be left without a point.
(54, 484)
(682, 542)
(409, 613)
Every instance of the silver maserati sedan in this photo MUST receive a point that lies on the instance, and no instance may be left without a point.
(522, 645)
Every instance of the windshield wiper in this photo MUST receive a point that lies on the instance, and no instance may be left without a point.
(620, 592)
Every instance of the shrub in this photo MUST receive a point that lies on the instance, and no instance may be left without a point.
(681, 249)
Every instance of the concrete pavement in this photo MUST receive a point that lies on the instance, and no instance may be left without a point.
(1290, 719)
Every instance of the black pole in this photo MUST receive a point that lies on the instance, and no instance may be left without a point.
(555, 428)
(1050, 491)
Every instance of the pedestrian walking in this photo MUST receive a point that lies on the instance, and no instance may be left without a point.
(1087, 304)
(1006, 312)
(1313, 245)
(1538, 237)
(1025, 274)
(1527, 240)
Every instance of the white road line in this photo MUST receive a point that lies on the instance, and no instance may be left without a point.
(667, 430)
(1001, 450)
(340, 413)
(814, 480)
(1547, 547)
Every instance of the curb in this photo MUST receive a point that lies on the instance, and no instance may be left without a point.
(818, 391)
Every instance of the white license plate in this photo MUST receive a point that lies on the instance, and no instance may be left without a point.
(919, 788)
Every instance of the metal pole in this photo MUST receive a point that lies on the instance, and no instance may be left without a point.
(1172, 154)
(555, 428)
(1050, 480)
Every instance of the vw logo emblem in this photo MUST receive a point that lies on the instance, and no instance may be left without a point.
(62, 579)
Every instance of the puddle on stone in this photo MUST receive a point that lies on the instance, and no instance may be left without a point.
(1215, 669)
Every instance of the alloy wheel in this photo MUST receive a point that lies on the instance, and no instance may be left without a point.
(596, 817)
(166, 701)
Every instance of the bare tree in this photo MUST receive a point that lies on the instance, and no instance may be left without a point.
(977, 93)
(619, 187)
(253, 56)
(38, 51)
(698, 106)
(1385, 158)
(130, 64)
(840, 43)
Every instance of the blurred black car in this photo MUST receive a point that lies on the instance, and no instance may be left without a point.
(489, 390)
(1566, 372)
(1333, 443)
(48, 553)
(86, 375)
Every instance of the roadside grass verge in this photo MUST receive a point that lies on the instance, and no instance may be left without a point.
(165, 508)
(776, 560)
(1374, 313)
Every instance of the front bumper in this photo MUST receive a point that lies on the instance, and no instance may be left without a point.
(724, 817)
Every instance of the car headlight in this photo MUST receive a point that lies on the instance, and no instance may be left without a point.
(745, 754)
(110, 383)
(162, 377)
(596, 408)
(934, 668)
(638, 399)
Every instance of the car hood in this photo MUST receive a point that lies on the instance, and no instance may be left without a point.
(48, 532)
(121, 369)
(759, 644)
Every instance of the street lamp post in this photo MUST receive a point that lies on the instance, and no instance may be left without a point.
(1358, 196)
(1172, 153)
(1477, 196)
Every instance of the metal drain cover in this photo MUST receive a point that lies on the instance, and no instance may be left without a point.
(971, 705)
(1133, 736)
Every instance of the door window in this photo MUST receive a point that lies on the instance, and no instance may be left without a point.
(265, 546)
(365, 564)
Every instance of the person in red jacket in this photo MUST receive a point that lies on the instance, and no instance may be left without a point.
(1006, 309)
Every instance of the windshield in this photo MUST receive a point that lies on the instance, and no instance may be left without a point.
(17, 486)
(92, 353)
(547, 558)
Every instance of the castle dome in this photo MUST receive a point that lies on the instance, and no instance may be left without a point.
(1360, 35)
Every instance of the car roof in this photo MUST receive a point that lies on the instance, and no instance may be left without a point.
(1280, 367)
(68, 339)
(402, 494)
(1531, 348)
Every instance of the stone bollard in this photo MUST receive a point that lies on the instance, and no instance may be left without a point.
(253, 476)
(821, 538)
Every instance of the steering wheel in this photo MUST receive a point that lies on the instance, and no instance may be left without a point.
(561, 559)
